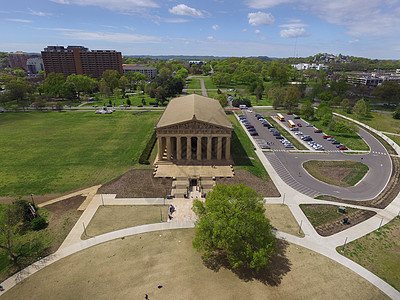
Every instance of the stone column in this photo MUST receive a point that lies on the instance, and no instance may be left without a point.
(219, 148)
(198, 147)
(228, 148)
(189, 148)
(160, 149)
(169, 148)
(178, 148)
(209, 147)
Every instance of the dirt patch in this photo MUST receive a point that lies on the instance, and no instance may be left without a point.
(138, 184)
(262, 187)
(60, 207)
(337, 174)
(282, 219)
(164, 265)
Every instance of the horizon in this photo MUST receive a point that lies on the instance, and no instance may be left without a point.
(247, 28)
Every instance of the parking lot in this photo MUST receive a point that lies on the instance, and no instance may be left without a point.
(305, 133)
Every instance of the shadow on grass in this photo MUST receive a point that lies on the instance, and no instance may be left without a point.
(238, 153)
(272, 275)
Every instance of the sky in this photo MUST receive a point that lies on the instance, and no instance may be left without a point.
(274, 28)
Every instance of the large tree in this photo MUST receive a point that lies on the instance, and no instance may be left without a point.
(232, 222)
(292, 97)
(388, 92)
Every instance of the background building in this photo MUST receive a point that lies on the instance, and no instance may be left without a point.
(34, 65)
(150, 72)
(79, 60)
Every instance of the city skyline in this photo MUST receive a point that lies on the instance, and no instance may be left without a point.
(274, 28)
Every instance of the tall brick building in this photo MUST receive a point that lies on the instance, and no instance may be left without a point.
(79, 60)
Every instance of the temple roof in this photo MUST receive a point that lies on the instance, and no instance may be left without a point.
(194, 107)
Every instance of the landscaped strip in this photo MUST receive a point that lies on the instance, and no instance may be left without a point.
(286, 135)
(339, 173)
(242, 151)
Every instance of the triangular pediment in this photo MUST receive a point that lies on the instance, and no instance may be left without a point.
(193, 125)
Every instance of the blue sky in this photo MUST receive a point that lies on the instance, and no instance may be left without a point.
(275, 28)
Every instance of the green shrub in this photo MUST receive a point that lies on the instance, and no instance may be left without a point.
(39, 223)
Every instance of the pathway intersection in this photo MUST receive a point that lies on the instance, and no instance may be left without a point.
(184, 218)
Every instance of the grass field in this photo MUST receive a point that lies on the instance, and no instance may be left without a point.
(395, 138)
(53, 152)
(164, 265)
(339, 173)
(379, 252)
(118, 100)
(193, 83)
(378, 120)
(282, 219)
(242, 151)
(116, 217)
(194, 92)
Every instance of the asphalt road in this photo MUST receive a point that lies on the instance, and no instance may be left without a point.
(290, 165)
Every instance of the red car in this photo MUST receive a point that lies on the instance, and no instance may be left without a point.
(299, 125)
(327, 136)
(343, 148)
(289, 113)
(318, 131)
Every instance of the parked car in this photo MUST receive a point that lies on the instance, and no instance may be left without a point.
(309, 125)
(289, 113)
(254, 133)
(296, 117)
(299, 124)
(294, 129)
(335, 142)
(327, 136)
(265, 146)
(279, 137)
(140, 105)
(318, 131)
(340, 145)
(343, 148)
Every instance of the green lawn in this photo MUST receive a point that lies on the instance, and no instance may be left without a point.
(52, 152)
(193, 83)
(118, 100)
(194, 92)
(320, 214)
(208, 83)
(243, 154)
(379, 252)
(395, 138)
(378, 120)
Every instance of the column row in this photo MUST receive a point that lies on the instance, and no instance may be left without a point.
(194, 148)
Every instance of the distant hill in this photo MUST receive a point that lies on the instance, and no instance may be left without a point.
(194, 57)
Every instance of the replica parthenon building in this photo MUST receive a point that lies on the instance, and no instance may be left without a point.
(194, 129)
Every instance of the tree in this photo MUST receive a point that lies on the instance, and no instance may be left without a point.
(307, 110)
(232, 222)
(322, 111)
(345, 104)
(111, 77)
(292, 97)
(277, 93)
(361, 108)
(388, 92)
(396, 114)
(16, 89)
(222, 100)
(206, 69)
(258, 91)
(123, 83)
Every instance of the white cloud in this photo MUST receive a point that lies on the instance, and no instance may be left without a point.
(19, 20)
(293, 33)
(257, 31)
(174, 20)
(262, 4)
(210, 38)
(184, 10)
(360, 17)
(244, 30)
(260, 19)
(39, 13)
(294, 25)
(118, 5)
(354, 41)
(215, 27)
(111, 37)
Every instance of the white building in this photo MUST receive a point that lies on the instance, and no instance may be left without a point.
(34, 65)
(318, 67)
(151, 72)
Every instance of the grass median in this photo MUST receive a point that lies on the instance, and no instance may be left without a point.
(339, 173)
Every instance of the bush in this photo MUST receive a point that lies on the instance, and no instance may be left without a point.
(240, 101)
(144, 157)
(396, 114)
(39, 223)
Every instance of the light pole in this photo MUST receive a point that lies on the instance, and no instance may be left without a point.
(345, 241)
(32, 199)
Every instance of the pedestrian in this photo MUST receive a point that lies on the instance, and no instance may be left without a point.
(169, 217)
(146, 297)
